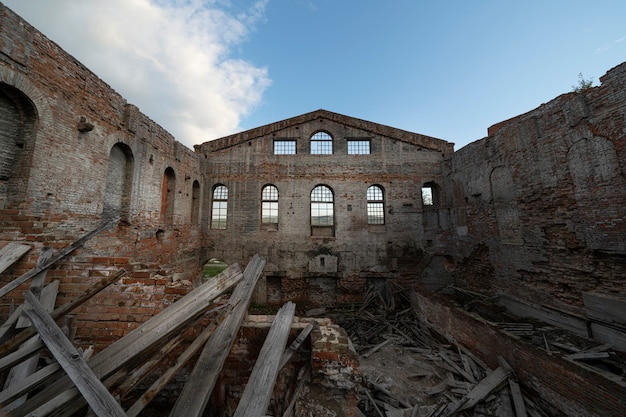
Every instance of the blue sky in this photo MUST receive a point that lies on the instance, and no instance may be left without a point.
(447, 68)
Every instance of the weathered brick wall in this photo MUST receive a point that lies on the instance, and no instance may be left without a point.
(73, 145)
(323, 269)
(540, 210)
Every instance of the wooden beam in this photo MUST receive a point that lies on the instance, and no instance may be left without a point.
(518, 399)
(295, 345)
(27, 367)
(195, 395)
(257, 394)
(10, 253)
(60, 255)
(61, 311)
(485, 387)
(181, 360)
(158, 328)
(99, 399)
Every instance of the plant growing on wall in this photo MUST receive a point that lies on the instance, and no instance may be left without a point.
(583, 83)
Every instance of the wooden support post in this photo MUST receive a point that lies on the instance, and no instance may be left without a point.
(99, 399)
(258, 391)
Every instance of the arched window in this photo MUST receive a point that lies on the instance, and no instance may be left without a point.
(321, 143)
(118, 184)
(219, 208)
(269, 205)
(195, 202)
(322, 211)
(18, 123)
(375, 205)
(168, 194)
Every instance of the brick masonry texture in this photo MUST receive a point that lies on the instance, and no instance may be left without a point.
(536, 210)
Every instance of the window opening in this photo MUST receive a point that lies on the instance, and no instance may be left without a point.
(195, 202)
(269, 204)
(284, 147)
(358, 147)
(219, 209)
(168, 195)
(321, 143)
(427, 196)
(375, 205)
(322, 206)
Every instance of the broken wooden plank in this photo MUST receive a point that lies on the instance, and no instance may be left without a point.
(158, 328)
(99, 399)
(37, 285)
(8, 326)
(605, 308)
(27, 367)
(376, 348)
(11, 253)
(195, 395)
(61, 311)
(518, 399)
(295, 345)
(181, 360)
(289, 410)
(60, 255)
(257, 394)
(485, 387)
(588, 356)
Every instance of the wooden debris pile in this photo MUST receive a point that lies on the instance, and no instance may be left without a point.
(98, 383)
(410, 371)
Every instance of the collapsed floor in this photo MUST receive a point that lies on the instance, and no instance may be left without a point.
(206, 355)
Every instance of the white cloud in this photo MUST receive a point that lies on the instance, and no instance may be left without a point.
(170, 58)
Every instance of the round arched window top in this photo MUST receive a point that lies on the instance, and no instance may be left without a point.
(321, 143)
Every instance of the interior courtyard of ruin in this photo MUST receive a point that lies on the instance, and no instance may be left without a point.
(320, 265)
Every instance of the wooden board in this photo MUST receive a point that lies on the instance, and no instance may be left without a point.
(257, 394)
(10, 253)
(604, 308)
(99, 399)
(195, 395)
(158, 328)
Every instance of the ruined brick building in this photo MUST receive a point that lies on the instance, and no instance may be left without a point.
(535, 212)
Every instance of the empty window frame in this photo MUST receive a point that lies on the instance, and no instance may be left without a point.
(284, 147)
(321, 143)
(322, 209)
(358, 147)
(430, 195)
(269, 205)
(375, 205)
(219, 209)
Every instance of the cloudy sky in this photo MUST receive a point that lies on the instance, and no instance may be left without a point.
(448, 68)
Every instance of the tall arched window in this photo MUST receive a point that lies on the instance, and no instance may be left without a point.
(168, 195)
(119, 184)
(195, 202)
(219, 208)
(269, 205)
(322, 211)
(321, 143)
(375, 205)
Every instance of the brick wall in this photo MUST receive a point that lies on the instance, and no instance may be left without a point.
(79, 154)
(573, 390)
(324, 268)
(540, 207)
